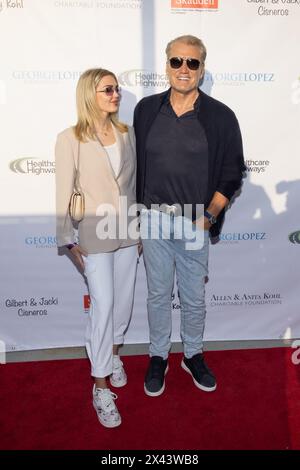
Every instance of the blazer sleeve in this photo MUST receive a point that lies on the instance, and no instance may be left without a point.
(132, 141)
(233, 163)
(64, 178)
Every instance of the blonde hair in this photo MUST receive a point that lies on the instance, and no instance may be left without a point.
(87, 107)
(189, 40)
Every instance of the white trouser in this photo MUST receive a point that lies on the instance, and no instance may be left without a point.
(111, 280)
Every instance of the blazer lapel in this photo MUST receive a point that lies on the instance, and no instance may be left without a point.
(121, 148)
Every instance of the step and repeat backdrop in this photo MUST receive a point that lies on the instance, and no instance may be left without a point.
(252, 65)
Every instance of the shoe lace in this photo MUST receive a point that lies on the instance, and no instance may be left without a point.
(107, 399)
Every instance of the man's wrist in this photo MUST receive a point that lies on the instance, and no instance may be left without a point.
(210, 217)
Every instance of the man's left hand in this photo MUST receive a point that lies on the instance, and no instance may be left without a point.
(202, 223)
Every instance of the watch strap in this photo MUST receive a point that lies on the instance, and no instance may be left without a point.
(212, 219)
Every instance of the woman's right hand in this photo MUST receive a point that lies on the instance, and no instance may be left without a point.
(78, 253)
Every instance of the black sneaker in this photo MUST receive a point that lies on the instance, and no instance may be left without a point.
(203, 377)
(155, 376)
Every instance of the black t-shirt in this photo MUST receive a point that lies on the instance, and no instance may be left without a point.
(176, 159)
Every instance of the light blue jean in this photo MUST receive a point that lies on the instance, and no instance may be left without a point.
(162, 256)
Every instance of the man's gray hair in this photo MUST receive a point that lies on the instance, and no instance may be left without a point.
(189, 40)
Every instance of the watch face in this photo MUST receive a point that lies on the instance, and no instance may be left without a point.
(211, 218)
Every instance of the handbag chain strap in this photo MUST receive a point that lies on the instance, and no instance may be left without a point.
(77, 182)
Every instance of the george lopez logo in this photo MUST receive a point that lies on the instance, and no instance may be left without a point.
(195, 4)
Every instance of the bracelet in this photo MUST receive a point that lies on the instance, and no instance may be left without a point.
(71, 245)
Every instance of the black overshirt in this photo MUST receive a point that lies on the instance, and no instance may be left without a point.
(225, 151)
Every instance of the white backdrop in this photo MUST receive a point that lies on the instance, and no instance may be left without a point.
(252, 65)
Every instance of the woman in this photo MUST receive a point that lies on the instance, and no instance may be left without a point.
(103, 151)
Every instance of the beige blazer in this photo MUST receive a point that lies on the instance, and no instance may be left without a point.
(100, 186)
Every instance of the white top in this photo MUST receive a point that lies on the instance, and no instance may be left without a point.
(114, 157)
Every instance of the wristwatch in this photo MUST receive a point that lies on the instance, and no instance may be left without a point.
(211, 218)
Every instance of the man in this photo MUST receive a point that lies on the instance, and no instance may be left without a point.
(189, 151)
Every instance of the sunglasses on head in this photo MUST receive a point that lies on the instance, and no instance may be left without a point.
(109, 90)
(176, 62)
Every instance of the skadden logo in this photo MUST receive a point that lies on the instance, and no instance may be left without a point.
(295, 237)
(144, 78)
(86, 303)
(195, 4)
(41, 241)
(32, 166)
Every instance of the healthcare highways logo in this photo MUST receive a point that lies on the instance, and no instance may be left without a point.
(141, 77)
(294, 237)
(32, 166)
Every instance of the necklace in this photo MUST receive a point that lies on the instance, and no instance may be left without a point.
(103, 131)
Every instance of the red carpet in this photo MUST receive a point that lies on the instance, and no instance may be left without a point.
(47, 405)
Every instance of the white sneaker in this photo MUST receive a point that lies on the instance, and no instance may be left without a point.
(118, 377)
(107, 412)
